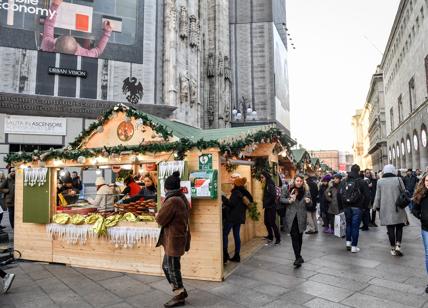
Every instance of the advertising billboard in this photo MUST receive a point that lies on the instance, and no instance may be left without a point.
(78, 27)
(282, 94)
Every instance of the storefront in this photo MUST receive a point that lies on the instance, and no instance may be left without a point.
(123, 239)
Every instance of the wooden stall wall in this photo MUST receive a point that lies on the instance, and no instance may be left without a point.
(205, 258)
(99, 253)
(31, 240)
(260, 228)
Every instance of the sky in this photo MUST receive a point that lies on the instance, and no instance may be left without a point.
(339, 44)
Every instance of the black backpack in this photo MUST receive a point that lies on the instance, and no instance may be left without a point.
(351, 192)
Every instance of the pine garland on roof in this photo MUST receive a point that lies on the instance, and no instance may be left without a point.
(232, 145)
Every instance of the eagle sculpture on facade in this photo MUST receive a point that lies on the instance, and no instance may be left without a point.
(133, 89)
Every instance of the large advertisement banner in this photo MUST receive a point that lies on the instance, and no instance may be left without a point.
(282, 94)
(76, 27)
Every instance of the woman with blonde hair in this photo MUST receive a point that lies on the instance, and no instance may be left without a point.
(296, 215)
(420, 210)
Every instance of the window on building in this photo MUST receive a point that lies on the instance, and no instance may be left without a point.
(400, 109)
(426, 72)
(422, 13)
(13, 148)
(412, 94)
(424, 136)
(409, 145)
(391, 115)
(415, 141)
(417, 22)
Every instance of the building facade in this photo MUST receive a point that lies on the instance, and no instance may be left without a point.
(259, 55)
(329, 157)
(179, 59)
(405, 75)
(375, 104)
(360, 124)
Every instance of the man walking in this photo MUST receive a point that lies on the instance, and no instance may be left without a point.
(312, 210)
(8, 188)
(354, 196)
(368, 178)
(410, 181)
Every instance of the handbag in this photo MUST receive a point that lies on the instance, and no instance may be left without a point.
(403, 199)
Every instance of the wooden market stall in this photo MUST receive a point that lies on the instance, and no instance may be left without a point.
(302, 160)
(119, 241)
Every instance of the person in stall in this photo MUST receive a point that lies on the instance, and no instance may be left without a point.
(149, 192)
(69, 193)
(77, 182)
(104, 199)
(132, 188)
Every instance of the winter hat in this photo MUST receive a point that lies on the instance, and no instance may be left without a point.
(235, 175)
(100, 181)
(173, 181)
(389, 169)
(326, 178)
(337, 176)
(240, 181)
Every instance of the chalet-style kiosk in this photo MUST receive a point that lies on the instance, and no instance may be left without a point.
(125, 139)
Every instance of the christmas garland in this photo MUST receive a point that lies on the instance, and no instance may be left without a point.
(260, 165)
(232, 146)
(142, 118)
(253, 212)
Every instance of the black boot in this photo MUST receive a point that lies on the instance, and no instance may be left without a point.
(299, 261)
(236, 258)
(178, 300)
(226, 257)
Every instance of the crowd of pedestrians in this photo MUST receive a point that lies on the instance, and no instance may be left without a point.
(358, 197)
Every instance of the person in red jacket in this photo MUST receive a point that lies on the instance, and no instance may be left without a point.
(132, 189)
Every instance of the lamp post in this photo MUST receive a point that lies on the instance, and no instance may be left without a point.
(248, 111)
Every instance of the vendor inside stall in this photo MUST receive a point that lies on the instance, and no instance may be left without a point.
(132, 188)
(67, 194)
(149, 192)
(104, 199)
(77, 182)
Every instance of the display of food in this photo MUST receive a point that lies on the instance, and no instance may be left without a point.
(148, 208)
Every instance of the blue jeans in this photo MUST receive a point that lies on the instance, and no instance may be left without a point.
(353, 221)
(425, 240)
(236, 236)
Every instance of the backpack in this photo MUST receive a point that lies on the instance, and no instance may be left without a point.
(351, 193)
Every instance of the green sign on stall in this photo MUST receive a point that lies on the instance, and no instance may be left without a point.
(205, 162)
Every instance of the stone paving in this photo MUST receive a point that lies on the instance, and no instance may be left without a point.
(331, 277)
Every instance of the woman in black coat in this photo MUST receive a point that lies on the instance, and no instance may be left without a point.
(236, 207)
(269, 204)
(420, 210)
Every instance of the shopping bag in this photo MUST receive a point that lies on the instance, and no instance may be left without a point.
(339, 225)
